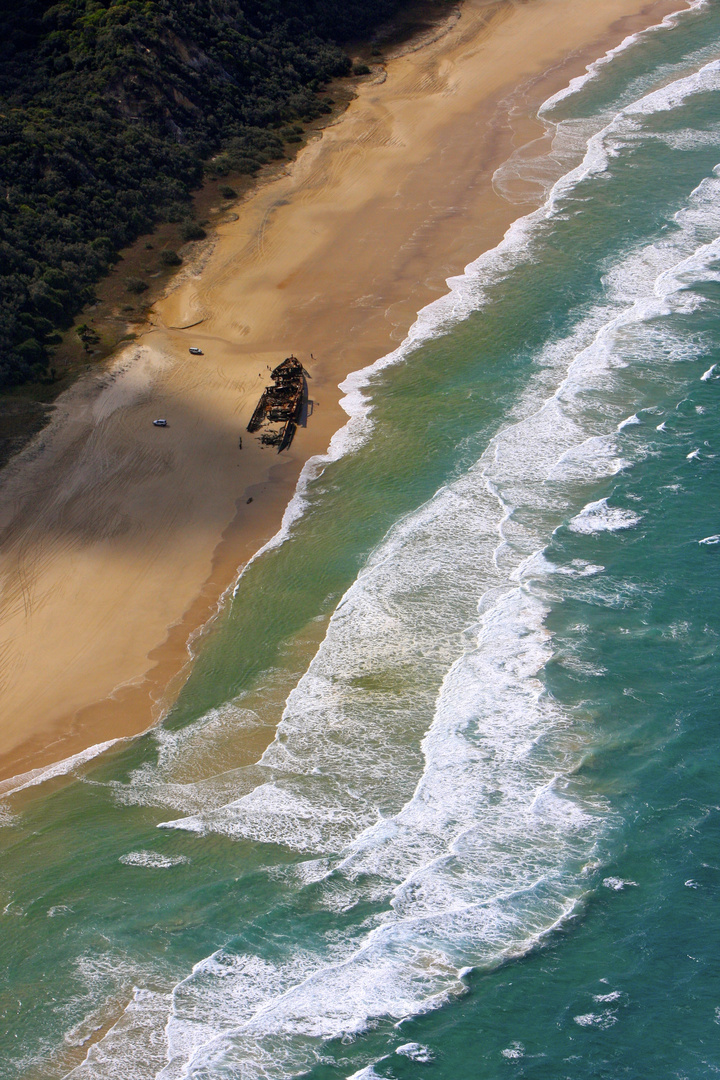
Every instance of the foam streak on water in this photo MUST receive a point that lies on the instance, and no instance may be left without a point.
(462, 882)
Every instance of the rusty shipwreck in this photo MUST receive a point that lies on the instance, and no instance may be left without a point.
(280, 404)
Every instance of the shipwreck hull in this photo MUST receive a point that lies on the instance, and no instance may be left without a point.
(281, 403)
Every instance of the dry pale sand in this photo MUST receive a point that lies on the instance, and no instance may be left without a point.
(118, 538)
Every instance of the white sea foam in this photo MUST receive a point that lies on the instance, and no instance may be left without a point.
(58, 911)
(599, 517)
(613, 995)
(635, 341)
(704, 81)
(58, 768)
(455, 894)
(595, 458)
(416, 1052)
(604, 1020)
(690, 138)
(373, 647)
(368, 1073)
(195, 766)
(462, 880)
(128, 1049)
(618, 884)
(153, 860)
(514, 1052)
(103, 992)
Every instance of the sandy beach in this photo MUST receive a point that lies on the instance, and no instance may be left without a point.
(119, 538)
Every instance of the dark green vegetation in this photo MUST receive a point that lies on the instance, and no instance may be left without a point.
(111, 111)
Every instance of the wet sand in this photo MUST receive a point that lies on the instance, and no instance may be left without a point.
(117, 538)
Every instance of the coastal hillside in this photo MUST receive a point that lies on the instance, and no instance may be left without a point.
(109, 114)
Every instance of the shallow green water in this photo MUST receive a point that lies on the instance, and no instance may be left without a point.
(483, 839)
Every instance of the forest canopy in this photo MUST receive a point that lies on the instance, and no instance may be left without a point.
(109, 112)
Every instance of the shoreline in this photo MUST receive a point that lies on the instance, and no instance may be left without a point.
(117, 547)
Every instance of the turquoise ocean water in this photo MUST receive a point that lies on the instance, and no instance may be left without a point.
(482, 841)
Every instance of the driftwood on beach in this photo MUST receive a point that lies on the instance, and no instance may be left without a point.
(281, 403)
